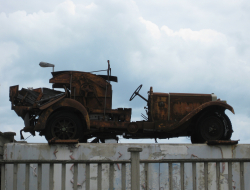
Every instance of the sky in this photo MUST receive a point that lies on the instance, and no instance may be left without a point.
(172, 45)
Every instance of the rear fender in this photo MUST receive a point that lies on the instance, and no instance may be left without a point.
(64, 103)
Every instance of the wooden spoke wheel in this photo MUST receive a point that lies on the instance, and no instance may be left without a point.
(64, 126)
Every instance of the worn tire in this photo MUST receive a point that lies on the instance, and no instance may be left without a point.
(228, 127)
(211, 128)
(64, 125)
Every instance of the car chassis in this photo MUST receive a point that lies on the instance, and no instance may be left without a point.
(84, 110)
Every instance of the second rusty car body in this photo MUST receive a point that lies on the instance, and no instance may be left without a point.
(84, 110)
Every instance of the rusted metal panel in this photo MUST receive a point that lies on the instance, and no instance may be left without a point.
(13, 92)
(160, 107)
(61, 78)
(222, 142)
(109, 124)
(220, 104)
(58, 141)
(171, 126)
(66, 102)
(39, 90)
(205, 96)
(89, 89)
(182, 104)
(121, 114)
(51, 103)
(21, 110)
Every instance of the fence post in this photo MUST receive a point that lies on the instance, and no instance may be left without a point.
(135, 167)
(5, 137)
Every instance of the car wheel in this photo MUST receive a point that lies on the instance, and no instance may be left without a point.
(228, 127)
(211, 128)
(64, 126)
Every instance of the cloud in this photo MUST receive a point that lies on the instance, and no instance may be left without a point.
(68, 8)
(205, 35)
(152, 28)
(9, 52)
(173, 46)
(241, 123)
(206, 55)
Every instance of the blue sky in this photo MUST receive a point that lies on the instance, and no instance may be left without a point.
(174, 46)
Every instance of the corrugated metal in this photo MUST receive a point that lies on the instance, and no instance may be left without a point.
(163, 166)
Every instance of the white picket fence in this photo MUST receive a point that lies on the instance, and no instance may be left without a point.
(180, 174)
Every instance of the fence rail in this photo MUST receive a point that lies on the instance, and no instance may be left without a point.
(135, 171)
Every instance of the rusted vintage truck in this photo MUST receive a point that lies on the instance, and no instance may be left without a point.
(84, 110)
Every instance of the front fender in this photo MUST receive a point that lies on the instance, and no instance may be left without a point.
(66, 102)
(179, 126)
(211, 104)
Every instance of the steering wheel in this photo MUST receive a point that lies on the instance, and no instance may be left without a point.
(136, 92)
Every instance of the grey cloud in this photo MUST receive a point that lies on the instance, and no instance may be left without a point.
(204, 50)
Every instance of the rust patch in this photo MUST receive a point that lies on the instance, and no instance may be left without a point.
(222, 142)
(58, 141)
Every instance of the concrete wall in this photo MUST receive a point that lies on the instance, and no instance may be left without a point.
(157, 174)
(5, 138)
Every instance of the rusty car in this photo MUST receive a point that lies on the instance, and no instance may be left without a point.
(83, 110)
